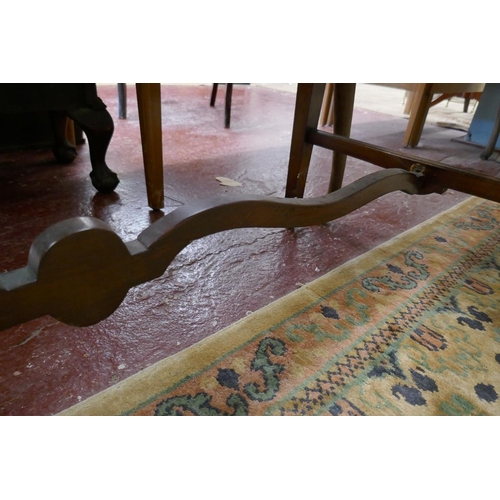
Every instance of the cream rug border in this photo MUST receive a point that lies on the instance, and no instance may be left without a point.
(151, 381)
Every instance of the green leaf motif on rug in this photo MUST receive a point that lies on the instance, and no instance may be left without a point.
(487, 224)
(270, 370)
(197, 405)
(406, 281)
(201, 403)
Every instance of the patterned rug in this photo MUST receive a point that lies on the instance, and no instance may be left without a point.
(410, 328)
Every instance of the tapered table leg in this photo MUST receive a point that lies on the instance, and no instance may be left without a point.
(419, 109)
(149, 105)
(343, 106)
(307, 111)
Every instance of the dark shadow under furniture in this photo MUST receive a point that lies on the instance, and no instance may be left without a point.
(79, 103)
(62, 101)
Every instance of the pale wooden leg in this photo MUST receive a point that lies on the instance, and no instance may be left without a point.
(343, 106)
(409, 101)
(149, 105)
(420, 107)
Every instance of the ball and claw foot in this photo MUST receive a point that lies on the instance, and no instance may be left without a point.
(105, 180)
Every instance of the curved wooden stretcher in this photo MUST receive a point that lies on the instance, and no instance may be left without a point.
(79, 270)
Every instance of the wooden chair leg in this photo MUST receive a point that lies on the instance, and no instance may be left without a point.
(227, 112)
(420, 107)
(215, 86)
(149, 106)
(307, 111)
(409, 95)
(343, 105)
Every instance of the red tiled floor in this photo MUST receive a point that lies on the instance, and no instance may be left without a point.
(46, 366)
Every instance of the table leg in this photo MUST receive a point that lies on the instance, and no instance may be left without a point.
(343, 107)
(98, 126)
(307, 111)
(149, 105)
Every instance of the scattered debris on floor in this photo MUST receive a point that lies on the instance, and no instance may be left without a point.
(226, 181)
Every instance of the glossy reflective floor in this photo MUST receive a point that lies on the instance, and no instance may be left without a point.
(46, 366)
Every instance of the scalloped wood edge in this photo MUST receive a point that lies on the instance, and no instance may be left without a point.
(79, 270)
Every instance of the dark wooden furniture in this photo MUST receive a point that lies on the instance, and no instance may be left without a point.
(80, 103)
(79, 270)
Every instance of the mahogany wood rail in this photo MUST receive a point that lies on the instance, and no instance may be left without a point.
(79, 270)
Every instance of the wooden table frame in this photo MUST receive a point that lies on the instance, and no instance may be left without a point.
(79, 270)
(305, 136)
